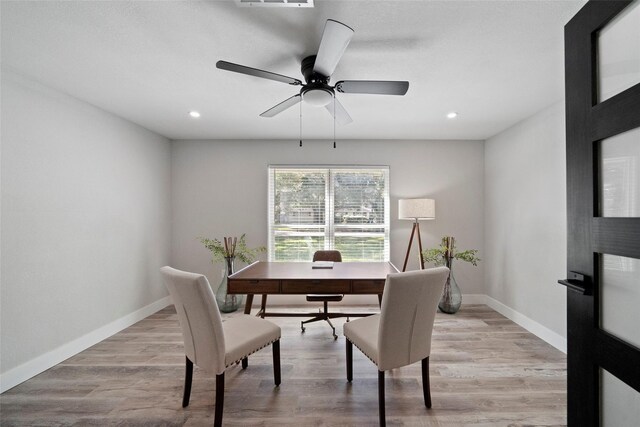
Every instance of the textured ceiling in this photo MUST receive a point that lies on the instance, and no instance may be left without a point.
(493, 62)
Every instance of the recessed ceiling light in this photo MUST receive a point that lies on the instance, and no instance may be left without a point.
(452, 115)
(194, 114)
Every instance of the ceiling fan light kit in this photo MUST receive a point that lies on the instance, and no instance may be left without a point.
(317, 71)
(319, 97)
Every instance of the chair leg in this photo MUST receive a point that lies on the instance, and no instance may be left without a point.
(217, 422)
(335, 337)
(323, 315)
(381, 398)
(276, 362)
(349, 360)
(188, 376)
(245, 363)
(426, 386)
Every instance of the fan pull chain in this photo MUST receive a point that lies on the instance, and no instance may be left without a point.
(300, 123)
(334, 121)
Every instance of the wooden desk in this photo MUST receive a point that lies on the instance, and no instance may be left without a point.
(269, 278)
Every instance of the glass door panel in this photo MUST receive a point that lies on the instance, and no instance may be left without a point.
(620, 297)
(619, 403)
(619, 53)
(619, 186)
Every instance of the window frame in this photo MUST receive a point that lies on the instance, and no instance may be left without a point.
(329, 224)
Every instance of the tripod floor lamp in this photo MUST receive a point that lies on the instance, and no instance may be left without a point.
(415, 210)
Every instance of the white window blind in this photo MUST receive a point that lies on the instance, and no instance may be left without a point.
(314, 208)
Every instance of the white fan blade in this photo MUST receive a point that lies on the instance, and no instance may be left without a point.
(375, 87)
(341, 115)
(335, 38)
(287, 103)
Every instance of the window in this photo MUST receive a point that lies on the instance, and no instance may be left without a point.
(314, 208)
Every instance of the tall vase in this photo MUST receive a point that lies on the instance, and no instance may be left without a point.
(451, 296)
(227, 303)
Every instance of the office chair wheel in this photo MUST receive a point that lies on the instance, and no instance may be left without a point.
(302, 327)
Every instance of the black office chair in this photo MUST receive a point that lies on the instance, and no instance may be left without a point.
(334, 256)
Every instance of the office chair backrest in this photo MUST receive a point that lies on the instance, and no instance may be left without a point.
(334, 256)
(408, 310)
(199, 318)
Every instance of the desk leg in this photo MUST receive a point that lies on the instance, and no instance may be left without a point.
(263, 305)
(380, 300)
(247, 305)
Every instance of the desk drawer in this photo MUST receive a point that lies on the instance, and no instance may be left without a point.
(368, 286)
(316, 286)
(254, 287)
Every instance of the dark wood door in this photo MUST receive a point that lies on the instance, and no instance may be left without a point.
(603, 168)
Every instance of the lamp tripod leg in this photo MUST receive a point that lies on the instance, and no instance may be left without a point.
(420, 258)
(406, 258)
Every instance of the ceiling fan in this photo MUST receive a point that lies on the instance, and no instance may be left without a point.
(317, 71)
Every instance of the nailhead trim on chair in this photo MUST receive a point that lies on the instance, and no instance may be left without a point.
(254, 351)
(363, 352)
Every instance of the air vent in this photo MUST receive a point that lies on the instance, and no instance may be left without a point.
(274, 3)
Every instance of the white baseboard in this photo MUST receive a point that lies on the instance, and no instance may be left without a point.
(41, 363)
(542, 332)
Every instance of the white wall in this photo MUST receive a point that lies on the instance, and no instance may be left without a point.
(525, 218)
(85, 222)
(220, 188)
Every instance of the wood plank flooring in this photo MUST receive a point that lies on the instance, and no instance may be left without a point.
(485, 371)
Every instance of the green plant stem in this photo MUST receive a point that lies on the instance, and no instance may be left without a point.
(240, 250)
(444, 254)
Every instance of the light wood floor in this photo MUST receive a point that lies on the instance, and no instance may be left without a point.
(485, 371)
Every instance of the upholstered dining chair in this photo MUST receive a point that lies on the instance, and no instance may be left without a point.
(334, 256)
(210, 343)
(401, 334)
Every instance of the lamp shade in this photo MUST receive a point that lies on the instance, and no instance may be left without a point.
(416, 209)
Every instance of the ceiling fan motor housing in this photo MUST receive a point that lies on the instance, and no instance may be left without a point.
(317, 91)
(307, 71)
